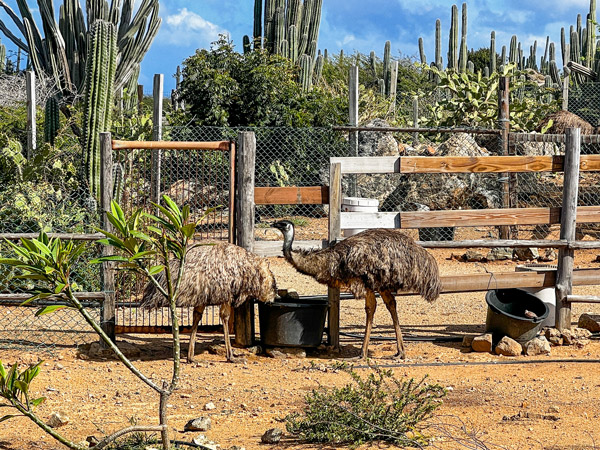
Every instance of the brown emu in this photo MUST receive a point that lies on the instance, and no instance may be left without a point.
(377, 260)
(222, 274)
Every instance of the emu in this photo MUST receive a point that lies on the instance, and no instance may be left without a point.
(376, 260)
(225, 275)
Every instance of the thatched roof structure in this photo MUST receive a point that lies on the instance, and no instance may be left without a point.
(561, 120)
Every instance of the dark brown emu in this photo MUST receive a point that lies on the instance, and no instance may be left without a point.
(377, 260)
(225, 275)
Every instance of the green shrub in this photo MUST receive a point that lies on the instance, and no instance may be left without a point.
(379, 407)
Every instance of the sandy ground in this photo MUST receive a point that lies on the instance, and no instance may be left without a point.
(502, 402)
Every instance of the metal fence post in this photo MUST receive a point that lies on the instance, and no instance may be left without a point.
(568, 219)
(244, 217)
(353, 122)
(31, 124)
(107, 274)
(157, 110)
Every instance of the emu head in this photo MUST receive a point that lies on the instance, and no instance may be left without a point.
(268, 287)
(286, 227)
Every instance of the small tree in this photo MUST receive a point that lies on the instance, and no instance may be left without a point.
(141, 239)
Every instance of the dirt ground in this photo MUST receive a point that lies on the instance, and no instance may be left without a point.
(544, 402)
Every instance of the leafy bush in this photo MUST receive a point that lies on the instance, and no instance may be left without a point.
(379, 407)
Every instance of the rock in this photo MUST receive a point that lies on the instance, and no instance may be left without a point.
(548, 256)
(209, 406)
(581, 333)
(537, 346)
(499, 254)
(590, 322)
(92, 441)
(236, 447)
(482, 343)
(461, 144)
(272, 436)
(255, 350)
(467, 341)
(28, 359)
(205, 443)
(97, 351)
(473, 256)
(526, 254)
(567, 337)
(199, 424)
(554, 336)
(286, 352)
(508, 347)
(57, 420)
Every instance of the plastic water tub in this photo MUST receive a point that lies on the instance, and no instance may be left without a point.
(506, 314)
(292, 322)
(358, 204)
(547, 295)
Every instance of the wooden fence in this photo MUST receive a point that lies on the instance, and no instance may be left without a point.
(564, 278)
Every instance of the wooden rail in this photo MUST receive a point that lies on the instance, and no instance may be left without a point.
(311, 195)
(170, 145)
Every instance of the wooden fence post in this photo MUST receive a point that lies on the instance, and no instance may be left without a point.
(107, 274)
(244, 217)
(157, 110)
(353, 122)
(335, 206)
(31, 124)
(568, 219)
(504, 125)
(394, 85)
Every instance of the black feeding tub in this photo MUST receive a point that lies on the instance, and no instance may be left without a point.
(290, 322)
(514, 313)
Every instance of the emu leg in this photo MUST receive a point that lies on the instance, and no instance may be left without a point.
(198, 311)
(225, 313)
(390, 302)
(370, 306)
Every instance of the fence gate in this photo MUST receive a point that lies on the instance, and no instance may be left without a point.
(198, 174)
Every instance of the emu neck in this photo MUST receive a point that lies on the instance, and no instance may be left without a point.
(288, 239)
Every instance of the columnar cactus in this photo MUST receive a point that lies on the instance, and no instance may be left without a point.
(257, 32)
(513, 54)
(387, 69)
(100, 78)
(453, 40)
(438, 44)
(318, 69)
(422, 52)
(51, 120)
(305, 72)
(462, 59)
(492, 67)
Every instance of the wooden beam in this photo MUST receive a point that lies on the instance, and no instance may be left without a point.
(244, 216)
(420, 130)
(583, 70)
(583, 298)
(309, 195)
(107, 272)
(464, 218)
(461, 164)
(63, 236)
(566, 256)
(333, 294)
(170, 145)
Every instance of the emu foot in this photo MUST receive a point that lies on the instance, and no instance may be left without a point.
(237, 360)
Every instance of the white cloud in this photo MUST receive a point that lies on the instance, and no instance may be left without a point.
(186, 28)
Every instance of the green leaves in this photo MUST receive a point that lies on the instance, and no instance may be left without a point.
(14, 387)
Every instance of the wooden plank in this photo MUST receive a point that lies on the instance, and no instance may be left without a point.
(493, 243)
(464, 218)
(274, 248)
(333, 294)
(308, 195)
(63, 236)
(566, 256)
(170, 145)
(107, 271)
(244, 214)
(583, 299)
(504, 125)
(480, 164)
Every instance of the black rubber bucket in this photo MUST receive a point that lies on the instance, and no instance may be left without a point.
(506, 314)
(292, 322)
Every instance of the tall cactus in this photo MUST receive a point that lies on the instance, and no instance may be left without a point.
(462, 58)
(51, 120)
(61, 51)
(318, 69)
(2, 57)
(100, 79)
(492, 52)
(438, 44)
(257, 32)
(387, 67)
(422, 55)
(453, 40)
(305, 72)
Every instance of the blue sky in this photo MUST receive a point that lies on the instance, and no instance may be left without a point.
(356, 25)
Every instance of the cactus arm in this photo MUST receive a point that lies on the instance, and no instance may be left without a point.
(257, 31)
(492, 52)
(438, 44)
